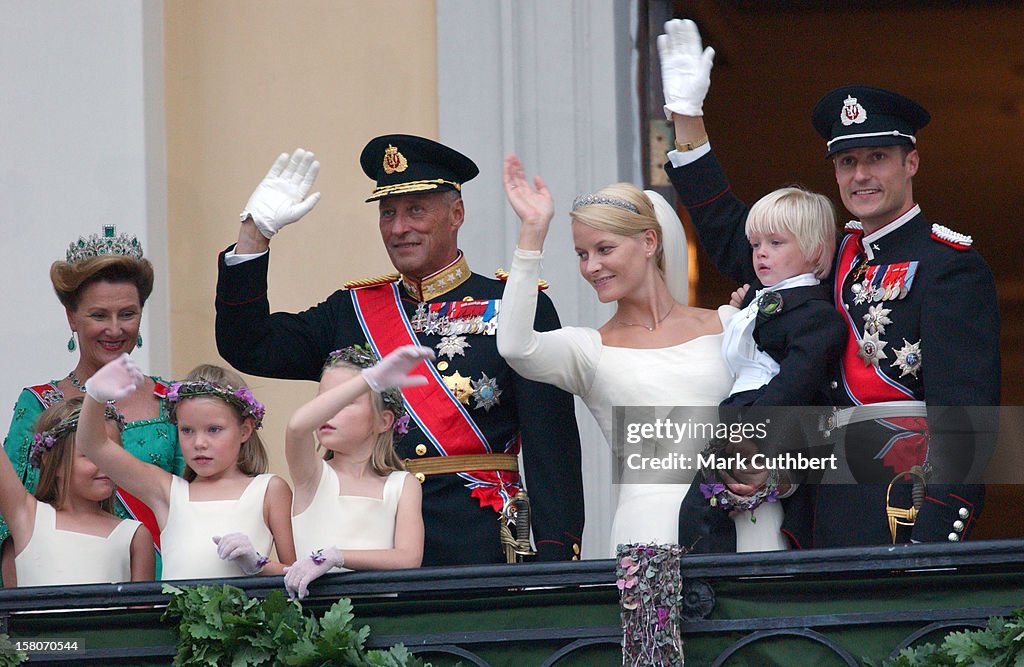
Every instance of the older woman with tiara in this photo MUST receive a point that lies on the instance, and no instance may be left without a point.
(103, 284)
(655, 350)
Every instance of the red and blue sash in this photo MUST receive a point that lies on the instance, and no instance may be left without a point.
(866, 384)
(140, 511)
(440, 416)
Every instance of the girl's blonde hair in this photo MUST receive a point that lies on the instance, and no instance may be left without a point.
(383, 458)
(808, 216)
(623, 209)
(218, 382)
(51, 488)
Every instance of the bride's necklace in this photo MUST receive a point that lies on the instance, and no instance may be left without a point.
(635, 324)
(75, 382)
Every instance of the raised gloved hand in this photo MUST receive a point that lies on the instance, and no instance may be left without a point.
(299, 575)
(685, 68)
(238, 547)
(393, 370)
(115, 380)
(280, 198)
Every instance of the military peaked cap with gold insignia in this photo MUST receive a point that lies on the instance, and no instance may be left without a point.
(857, 116)
(404, 164)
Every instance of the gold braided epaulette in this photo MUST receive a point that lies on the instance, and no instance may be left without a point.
(502, 274)
(370, 282)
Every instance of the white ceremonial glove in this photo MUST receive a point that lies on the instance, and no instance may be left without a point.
(238, 547)
(299, 575)
(393, 370)
(685, 68)
(280, 198)
(116, 380)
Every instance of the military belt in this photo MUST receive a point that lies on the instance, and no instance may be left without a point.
(439, 465)
(840, 417)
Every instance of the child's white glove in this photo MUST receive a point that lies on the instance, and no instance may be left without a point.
(299, 575)
(393, 370)
(115, 380)
(685, 68)
(238, 547)
(280, 198)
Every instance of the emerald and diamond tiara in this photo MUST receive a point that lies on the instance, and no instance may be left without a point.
(109, 243)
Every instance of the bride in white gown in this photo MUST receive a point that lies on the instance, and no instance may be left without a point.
(654, 351)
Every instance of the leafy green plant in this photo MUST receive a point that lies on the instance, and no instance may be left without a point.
(9, 653)
(221, 625)
(999, 644)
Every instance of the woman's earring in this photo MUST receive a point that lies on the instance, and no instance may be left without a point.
(71, 342)
(138, 341)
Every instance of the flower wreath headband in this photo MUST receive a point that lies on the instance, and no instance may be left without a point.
(241, 398)
(362, 357)
(44, 441)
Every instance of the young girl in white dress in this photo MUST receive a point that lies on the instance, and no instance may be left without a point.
(355, 507)
(67, 533)
(226, 513)
(655, 350)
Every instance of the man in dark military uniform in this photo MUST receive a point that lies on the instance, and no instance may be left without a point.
(919, 305)
(470, 421)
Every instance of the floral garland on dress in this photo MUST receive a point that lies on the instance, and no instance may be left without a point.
(651, 596)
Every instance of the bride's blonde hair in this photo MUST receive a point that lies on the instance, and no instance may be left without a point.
(622, 209)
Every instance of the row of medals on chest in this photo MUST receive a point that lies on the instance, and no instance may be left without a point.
(454, 322)
(879, 291)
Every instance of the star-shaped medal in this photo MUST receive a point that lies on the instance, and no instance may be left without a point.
(452, 345)
(486, 392)
(871, 349)
(865, 293)
(908, 358)
(876, 318)
(461, 387)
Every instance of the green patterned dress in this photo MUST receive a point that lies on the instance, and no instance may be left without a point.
(151, 440)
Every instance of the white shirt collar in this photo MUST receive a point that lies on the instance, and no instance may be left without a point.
(886, 229)
(802, 280)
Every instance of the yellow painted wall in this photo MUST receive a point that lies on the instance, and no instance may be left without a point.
(246, 80)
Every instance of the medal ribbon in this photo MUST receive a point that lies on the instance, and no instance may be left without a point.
(436, 411)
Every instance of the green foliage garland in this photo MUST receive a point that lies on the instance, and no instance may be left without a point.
(1000, 644)
(10, 656)
(221, 625)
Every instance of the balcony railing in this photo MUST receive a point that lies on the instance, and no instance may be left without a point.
(825, 607)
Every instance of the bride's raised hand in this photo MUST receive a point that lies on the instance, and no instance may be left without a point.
(532, 203)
